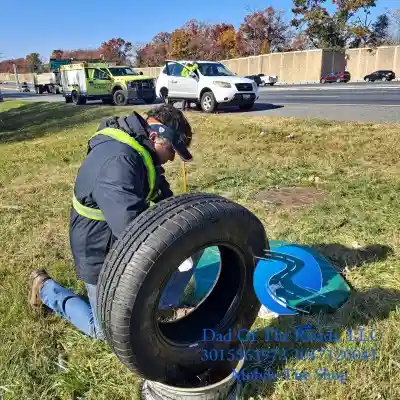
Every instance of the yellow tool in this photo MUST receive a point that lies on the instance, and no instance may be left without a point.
(185, 180)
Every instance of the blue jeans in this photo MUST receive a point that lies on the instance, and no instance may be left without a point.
(72, 307)
(82, 314)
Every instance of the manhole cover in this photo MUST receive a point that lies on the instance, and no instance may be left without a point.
(291, 197)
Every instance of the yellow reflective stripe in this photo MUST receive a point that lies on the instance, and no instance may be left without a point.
(123, 137)
(87, 212)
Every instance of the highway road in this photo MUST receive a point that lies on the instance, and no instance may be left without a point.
(375, 102)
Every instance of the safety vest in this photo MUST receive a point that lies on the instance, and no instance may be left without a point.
(122, 137)
(188, 68)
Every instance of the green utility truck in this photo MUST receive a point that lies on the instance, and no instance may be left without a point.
(113, 84)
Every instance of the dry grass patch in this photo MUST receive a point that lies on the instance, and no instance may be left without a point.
(41, 147)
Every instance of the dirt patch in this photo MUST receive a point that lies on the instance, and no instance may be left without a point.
(291, 197)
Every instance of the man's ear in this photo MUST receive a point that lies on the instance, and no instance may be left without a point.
(153, 136)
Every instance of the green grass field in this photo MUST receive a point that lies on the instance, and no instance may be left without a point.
(356, 166)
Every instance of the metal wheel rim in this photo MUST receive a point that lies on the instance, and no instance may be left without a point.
(120, 98)
(207, 102)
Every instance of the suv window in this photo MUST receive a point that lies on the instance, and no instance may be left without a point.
(175, 69)
(98, 74)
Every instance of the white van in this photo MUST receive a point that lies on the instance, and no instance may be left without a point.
(211, 85)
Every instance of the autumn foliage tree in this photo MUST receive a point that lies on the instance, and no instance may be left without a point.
(34, 62)
(336, 29)
(263, 32)
(116, 50)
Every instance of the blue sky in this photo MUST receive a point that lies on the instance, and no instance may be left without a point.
(41, 26)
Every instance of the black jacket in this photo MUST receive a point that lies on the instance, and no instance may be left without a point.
(112, 177)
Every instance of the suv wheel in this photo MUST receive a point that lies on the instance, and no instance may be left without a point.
(208, 102)
(164, 95)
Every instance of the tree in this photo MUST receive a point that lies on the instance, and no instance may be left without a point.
(300, 42)
(179, 44)
(394, 18)
(226, 42)
(331, 30)
(380, 31)
(116, 50)
(263, 30)
(34, 61)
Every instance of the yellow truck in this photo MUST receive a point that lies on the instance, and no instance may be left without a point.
(112, 84)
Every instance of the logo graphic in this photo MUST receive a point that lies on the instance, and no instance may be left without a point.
(289, 280)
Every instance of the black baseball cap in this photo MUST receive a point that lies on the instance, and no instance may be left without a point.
(176, 138)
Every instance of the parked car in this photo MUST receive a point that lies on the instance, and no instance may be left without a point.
(382, 75)
(268, 79)
(256, 79)
(213, 84)
(336, 77)
(1, 97)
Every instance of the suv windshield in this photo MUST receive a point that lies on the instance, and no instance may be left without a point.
(122, 71)
(214, 69)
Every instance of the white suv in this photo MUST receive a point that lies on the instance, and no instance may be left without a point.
(212, 84)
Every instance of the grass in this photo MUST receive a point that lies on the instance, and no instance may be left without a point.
(41, 148)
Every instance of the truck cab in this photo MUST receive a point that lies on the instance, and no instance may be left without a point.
(99, 81)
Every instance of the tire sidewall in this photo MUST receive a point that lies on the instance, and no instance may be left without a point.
(120, 98)
(152, 342)
(137, 314)
(209, 98)
(75, 98)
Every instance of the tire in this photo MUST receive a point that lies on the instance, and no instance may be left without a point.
(367, 80)
(208, 102)
(338, 80)
(323, 81)
(68, 99)
(246, 107)
(140, 264)
(384, 79)
(164, 95)
(271, 84)
(120, 98)
(78, 100)
(150, 100)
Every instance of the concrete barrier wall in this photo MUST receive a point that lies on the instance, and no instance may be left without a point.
(4, 77)
(292, 67)
(298, 66)
(361, 62)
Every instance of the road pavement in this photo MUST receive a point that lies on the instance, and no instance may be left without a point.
(375, 102)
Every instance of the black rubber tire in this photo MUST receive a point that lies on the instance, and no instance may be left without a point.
(68, 99)
(142, 261)
(246, 107)
(164, 95)
(150, 100)
(211, 100)
(120, 98)
(77, 99)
